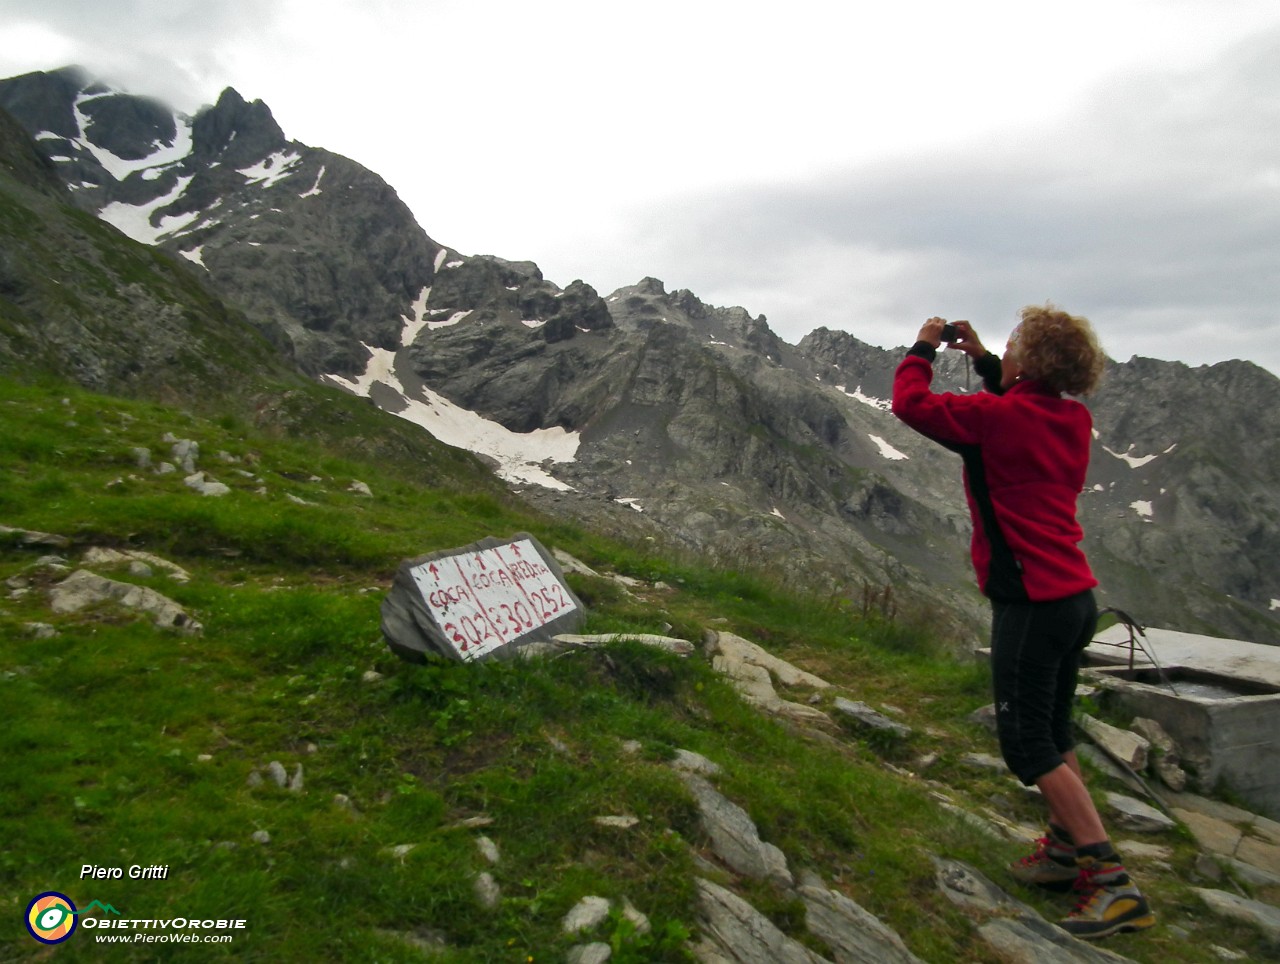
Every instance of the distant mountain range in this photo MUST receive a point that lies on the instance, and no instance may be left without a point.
(644, 411)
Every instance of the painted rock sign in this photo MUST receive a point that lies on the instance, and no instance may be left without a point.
(481, 600)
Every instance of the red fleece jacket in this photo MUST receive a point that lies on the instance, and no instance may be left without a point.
(1025, 456)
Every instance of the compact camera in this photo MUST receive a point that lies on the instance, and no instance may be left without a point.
(949, 332)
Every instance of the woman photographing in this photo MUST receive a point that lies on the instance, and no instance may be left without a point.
(1025, 449)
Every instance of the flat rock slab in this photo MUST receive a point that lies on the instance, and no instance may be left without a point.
(1137, 816)
(984, 761)
(1263, 916)
(597, 953)
(33, 538)
(586, 914)
(690, 762)
(1016, 932)
(1260, 854)
(1019, 941)
(737, 933)
(671, 644)
(98, 555)
(735, 649)
(83, 588)
(1212, 834)
(865, 716)
(734, 837)
(752, 671)
(854, 934)
(1250, 842)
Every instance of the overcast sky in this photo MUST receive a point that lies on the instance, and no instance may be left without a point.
(859, 166)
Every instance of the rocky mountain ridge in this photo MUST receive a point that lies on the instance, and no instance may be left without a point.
(228, 192)
(691, 423)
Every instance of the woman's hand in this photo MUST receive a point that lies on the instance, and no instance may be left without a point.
(931, 331)
(967, 340)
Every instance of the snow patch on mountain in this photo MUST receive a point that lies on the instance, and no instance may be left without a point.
(453, 319)
(271, 170)
(135, 219)
(858, 396)
(414, 323)
(520, 457)
(1137, 461)
(120, 168)
(887, 450)
(315, 188)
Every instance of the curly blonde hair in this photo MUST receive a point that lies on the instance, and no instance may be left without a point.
(1058, 349)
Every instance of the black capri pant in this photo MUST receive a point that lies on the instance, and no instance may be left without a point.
(1036, 650)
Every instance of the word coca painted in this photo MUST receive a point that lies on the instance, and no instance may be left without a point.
(490, 597)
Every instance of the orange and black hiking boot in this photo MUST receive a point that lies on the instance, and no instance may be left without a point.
(1109, 901)
(1052, 865)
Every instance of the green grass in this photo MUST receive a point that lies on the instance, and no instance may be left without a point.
(125, 744)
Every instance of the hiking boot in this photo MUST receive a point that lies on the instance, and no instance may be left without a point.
(1053, 865)
(1109, 902)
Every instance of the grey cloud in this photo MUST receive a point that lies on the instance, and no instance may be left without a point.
(181, 22)
(165, 48)
(1156, 211)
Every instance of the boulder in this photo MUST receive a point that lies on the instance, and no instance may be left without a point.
(1138, 816)
(737, 933)
(205, 486)
(735, 649)
(752, 670)
(84, 588)
(585, 915)
(671, 644)
(485, 600)
(854, 935)
(1011, 928)
(1263, 916)
(1121, 745)
(1166, 760)
(102, 556)
(488, 894)
(32, 538)
(596, 953)
(865, 716)
(734, 837)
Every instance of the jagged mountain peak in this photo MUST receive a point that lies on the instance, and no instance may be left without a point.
(319, 250)
(101, 137)
(695, 422)
(85, 113)
(647, 303)
(243, 131)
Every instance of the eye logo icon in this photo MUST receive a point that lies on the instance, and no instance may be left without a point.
(51, 917)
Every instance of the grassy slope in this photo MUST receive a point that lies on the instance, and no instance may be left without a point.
(104, 726)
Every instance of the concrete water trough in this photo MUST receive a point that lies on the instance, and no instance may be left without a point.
(1218, 699)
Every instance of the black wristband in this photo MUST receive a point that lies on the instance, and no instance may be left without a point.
(922, 349)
